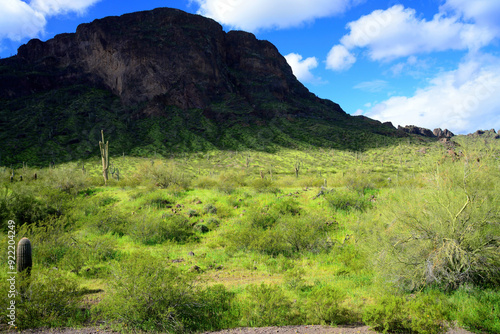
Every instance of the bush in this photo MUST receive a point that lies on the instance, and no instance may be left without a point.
(165, 175)
(48, 298)
(68, 180)
(229, 182)
(267, 305)
(447, 236)
(147, 294)
(23, 207)
(324, 306)
(210, 208)
(50, 240)
(477, 310)
(264, 185)
(347, 200)
(153, 230)
(423, 313)
(387, 314)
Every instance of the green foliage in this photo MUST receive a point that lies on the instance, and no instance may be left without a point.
(324, 306)
(229, 182)
(21, 205)
(48, 298)
(49, 239)
(268, 305)
(287, 235)
(147, 294)
(153, 230)
(477, 310)
(446, 237)
(210, 208)
(347, 200)
(387, 314)
(165, 175)
(424, 313)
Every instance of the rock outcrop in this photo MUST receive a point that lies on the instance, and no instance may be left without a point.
(443, 133)
(415, 130)
(485, 133)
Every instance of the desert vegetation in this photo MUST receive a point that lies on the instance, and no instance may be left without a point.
(403, 236)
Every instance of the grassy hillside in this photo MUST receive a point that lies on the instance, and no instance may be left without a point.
(403, 237)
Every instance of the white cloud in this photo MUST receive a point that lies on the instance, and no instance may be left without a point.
(20, 20)
(484, 13)
(463, 100)
(339, 58)
(302, 68)
(399, 32)
(373, 86)
(54, 7)
(264, 14)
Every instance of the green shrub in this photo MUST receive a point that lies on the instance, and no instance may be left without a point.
(147, 294)
(49, 298)
(20, 204)
(428, 313)
(50, 239)
(110, 220)
(68, 180)
(153, 230)
(165, 175)
(424, 313)
(304, 233)
(446, 237)
(387, 314)
(229, 182)
(324, 306)
(477, 310)
(347, 200)
(213, 223)
(210, 208)
(264, 185)
(267, 305)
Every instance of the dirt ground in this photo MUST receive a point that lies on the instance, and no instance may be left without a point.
(244, 330)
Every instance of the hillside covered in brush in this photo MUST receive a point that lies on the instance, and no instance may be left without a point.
(162, 81)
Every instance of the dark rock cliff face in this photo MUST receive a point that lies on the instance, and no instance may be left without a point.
(185, 59)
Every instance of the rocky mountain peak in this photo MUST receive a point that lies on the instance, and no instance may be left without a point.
(187, 60)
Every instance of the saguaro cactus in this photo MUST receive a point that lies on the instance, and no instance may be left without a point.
(24, 259)
(105, 157)
(296, 167)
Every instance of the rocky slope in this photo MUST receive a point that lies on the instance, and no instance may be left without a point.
(168, 70)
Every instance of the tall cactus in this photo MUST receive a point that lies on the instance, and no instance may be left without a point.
(24, 259)
(105, 157)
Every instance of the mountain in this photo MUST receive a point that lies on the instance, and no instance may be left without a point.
(162, 81)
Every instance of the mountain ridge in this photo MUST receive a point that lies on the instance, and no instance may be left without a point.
(163, 80)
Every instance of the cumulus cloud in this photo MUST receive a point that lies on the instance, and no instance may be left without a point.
(54, 7)
(302, 67)
(263, 14)
(483, 12)
(339, 58)
(19, 19)
(463, 100)
(399, 32)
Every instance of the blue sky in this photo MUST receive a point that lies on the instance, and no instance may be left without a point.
(431, 63)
